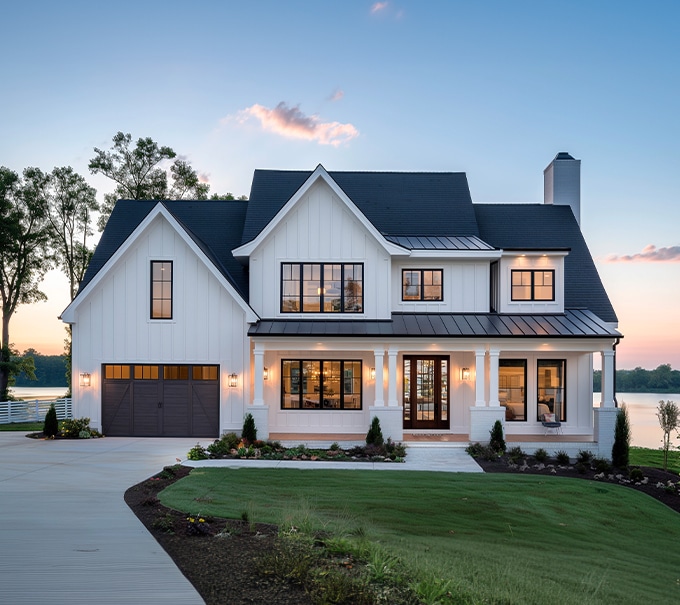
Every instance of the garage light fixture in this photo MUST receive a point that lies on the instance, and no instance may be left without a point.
(84, 379)
(465, 374)
(233, 380)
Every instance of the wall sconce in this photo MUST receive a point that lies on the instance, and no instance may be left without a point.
(233, 380)
(465, 373)
(265, 373)
(84, 379)
(372, 373)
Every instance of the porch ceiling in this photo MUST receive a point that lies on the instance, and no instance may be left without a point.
(573, 323)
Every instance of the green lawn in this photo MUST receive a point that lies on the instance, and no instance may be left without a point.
(497, 538)
(28, 427)
(640, 456)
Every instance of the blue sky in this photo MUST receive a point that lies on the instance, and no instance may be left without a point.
(492, 88)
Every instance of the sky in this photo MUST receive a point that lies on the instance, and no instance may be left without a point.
(494, 89)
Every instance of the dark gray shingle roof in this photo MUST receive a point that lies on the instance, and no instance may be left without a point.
(396, 203)
(215, 226)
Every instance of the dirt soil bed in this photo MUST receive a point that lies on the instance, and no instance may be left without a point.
(223, 570)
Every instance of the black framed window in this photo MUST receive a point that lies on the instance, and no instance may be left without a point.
(533, 284)
(422, 284)
(551, 390)
(161, 289)
(320, 384)
(512, 388)
(322, 288)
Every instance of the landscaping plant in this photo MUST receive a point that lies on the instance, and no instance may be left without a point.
(51, 426)
(668, 414)
(497, 441)
(249, 432)
(621, 447)
(374, 435)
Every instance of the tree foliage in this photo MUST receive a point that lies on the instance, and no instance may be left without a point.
(668, 414)
(663, 379)
(25, 255)
(140, 174)
(622, 435)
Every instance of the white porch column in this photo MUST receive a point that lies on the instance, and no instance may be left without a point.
(493, 378)
(480, 378)
(392, 376)
(258, 379)
(258, 408)
(607, 400)
(379, 377)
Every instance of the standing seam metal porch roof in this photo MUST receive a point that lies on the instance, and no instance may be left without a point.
(573, 323)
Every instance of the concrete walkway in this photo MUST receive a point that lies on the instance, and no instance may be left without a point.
(67, 536)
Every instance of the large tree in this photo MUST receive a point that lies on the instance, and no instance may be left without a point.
(25, 257)
(71, 204)
(139, 173)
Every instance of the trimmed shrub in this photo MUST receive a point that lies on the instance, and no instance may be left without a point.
(374, 435)
(562, 457)
(584, 457)
(541, 455)
(249, 432)
(75, 428)
(51, 426)
(497, 441)
(516, 454)
(197, 453)
(621, 447)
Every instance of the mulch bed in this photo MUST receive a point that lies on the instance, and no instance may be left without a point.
(224, 570)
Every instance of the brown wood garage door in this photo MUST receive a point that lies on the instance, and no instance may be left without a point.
(154, 400)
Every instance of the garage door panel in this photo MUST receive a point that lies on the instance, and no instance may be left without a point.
(146, 413)
(176, 409)
(116, 409)
(205, 410)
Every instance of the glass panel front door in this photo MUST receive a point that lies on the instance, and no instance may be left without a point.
(426, 393)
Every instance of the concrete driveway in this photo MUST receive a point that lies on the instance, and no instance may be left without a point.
(66, 534)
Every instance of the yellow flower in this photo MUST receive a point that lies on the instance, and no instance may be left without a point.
(201, 520)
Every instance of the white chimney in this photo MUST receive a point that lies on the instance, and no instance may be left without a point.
(562, 183)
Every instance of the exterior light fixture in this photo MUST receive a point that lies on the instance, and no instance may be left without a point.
(372, 373)
(465, 373)
(233, 380)
(84, 379)
(265, 373)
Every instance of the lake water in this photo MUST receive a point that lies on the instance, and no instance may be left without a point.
(641, 410)
(645, 428)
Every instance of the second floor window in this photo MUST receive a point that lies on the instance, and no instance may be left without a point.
(161, 289)
(533, 285)
(421, 284)
(322, 288)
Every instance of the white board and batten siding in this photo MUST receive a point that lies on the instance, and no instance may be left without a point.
(208, 325)
(320, 228)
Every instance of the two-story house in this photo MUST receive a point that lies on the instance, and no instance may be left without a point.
(332, 297)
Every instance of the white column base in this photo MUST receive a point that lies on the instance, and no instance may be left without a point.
(261, 417)
(604, 424)
(391, 421)
(482, 421)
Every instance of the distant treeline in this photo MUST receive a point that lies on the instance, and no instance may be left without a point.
(50, 370)
(662, 380)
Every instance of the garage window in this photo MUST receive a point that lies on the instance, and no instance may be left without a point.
(176, 372)
(204, 372)
(116, 372)
(146, 372)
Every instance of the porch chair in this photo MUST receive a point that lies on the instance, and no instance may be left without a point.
(551, 420)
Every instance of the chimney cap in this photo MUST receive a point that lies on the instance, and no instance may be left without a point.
(564, 155)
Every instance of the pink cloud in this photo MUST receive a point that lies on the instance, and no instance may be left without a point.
(337, 95)
(292, 123)
(649, 254)
(378, 6)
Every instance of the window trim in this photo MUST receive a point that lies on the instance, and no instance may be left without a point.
(421, 294)
(321, 293)
(515, 362)
(532, 286)
(321, 408)
(172, 290)
(563, 408)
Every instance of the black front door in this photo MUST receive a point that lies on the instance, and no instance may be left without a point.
(426, 392)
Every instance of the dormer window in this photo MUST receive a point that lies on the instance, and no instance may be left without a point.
(536, 285)
(322, 288)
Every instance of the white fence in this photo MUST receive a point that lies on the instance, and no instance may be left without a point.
(33, 410)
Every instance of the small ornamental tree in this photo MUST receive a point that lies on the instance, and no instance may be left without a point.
(51, 426)
(374, 435)
(249, 432)
(668, 414)
(621, 447)
(497, 441)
